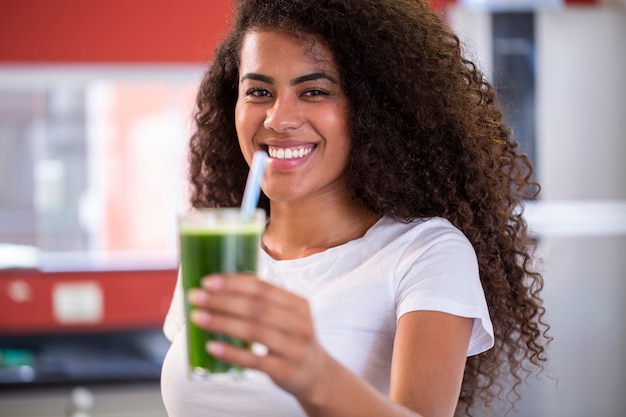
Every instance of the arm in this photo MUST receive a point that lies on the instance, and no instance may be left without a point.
(427, 369)
(429, 360)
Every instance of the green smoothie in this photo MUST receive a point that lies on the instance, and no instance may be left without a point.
(207, 247)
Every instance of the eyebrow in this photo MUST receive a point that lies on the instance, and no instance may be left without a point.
(299, 80)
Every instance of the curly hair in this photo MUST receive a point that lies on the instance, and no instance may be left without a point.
(428, 139)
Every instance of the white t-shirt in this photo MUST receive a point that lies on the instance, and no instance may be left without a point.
(357, 292)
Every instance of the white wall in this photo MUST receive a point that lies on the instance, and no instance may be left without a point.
(581, 219)
(581, 152)
(582, 103)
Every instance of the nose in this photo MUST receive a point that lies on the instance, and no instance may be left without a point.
(284, 115)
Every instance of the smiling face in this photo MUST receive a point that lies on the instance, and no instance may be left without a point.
(292, 106)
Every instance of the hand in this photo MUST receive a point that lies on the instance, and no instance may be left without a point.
(241, 306)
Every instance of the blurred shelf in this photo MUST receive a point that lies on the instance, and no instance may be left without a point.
(28, 361)
(77, 327)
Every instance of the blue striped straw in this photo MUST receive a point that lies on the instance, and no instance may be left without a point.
(253, 185)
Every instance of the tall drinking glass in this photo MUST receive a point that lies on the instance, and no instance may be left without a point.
(215, 240)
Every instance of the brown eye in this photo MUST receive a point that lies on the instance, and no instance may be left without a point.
(315, 92)
(258, 92)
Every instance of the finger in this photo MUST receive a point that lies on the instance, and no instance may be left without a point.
(278, 342)
(248, 285)
(283, 318)
(243, 357)
(284, 372)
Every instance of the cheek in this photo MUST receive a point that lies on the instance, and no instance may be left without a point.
(338, 124)
(239, 119)
(243, 127)
(243, 138)
(247, 120)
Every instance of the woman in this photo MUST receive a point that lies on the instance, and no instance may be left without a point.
(395, 270)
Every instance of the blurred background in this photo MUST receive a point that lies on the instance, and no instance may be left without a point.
(96, 104)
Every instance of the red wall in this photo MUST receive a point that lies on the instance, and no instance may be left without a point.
(142, 31)
(130, 31)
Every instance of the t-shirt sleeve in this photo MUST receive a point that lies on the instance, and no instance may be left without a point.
(175, 318)
(439, 272)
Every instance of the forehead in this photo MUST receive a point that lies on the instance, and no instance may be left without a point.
(273, 49)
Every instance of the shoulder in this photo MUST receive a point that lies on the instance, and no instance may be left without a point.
(424, 234)
(420, 249)
(429, 246)
(438, 271)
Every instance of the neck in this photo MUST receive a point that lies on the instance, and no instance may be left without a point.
(299, 229)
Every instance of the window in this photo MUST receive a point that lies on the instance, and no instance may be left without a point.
(92, 166)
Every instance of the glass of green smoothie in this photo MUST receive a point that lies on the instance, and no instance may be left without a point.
(215, 240)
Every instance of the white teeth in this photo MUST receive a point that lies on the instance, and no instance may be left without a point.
(288, 153)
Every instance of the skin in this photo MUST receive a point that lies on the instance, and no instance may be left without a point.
(288, 99)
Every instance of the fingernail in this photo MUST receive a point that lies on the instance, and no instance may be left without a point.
(214, 282)
(215, 348)
(196, 296)
(200, 317)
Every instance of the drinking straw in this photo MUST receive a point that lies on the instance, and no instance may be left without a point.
(253, 185)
